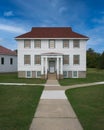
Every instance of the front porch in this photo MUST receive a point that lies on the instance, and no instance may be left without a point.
(52, 65)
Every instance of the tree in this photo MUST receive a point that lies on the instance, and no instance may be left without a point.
(101, 61)
(92, 58)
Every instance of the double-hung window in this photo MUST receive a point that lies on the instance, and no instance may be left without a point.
(37, 59)
(76, 59)
(76, 43)
(65, 43)
(37, 43)
(65, 59)
(27, 59)
(27, 44)
(51, 43)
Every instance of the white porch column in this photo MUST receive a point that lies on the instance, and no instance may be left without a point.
(46, 66)
(42, 65)
(61, 65)
(57, 66)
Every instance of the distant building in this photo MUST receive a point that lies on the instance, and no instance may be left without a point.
(8, 60)
(47, 50)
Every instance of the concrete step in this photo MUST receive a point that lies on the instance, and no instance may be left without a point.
(52, 76)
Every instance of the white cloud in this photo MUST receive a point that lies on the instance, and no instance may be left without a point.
(99, 21)
(12, 29)
(62, 9)
(8, 13)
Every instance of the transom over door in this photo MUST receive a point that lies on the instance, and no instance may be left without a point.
(52, 66)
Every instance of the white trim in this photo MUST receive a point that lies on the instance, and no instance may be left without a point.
(50, 38)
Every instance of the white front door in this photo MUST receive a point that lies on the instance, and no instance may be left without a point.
(52, 66)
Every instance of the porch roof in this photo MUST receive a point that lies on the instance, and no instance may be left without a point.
(52, 54)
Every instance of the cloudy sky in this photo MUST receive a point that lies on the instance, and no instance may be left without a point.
(84, 16)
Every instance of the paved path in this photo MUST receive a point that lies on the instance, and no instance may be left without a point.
(21, 84)
(54, 111)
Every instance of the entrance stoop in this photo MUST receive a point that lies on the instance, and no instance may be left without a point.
(52, 76)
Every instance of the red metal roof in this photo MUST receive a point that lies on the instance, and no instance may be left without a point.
(51, 32)
(6, 51)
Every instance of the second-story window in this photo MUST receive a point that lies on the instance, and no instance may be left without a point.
(76, 59)
(65, 43)
(37, 43)
(37, 59)
(76, 43)
(65, 59)
(27, 44)
(51, 43)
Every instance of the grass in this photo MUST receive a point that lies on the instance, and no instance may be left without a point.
(93, 75)
(13, 78)
(17, 106)
(88, 104)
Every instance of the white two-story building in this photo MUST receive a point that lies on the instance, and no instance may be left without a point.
(57, 50)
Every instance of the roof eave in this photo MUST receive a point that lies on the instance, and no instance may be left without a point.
(50, 38)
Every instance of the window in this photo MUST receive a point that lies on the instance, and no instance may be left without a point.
(37, 59)
(28, 74)
(76, 43)
(75, 74)
(38, 74)
(11, 61)
(37, 43)
(27, 43)
(66, 59)
(52, 44)
(65, 43)
(76, 59)
(65, 75)
(2, 60)
(27, 59)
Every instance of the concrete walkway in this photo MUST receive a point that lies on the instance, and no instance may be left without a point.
(54, 111)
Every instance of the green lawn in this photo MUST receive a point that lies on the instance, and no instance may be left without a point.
(13, 78)
(93, 75)
(17, 106)
(88, 104)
